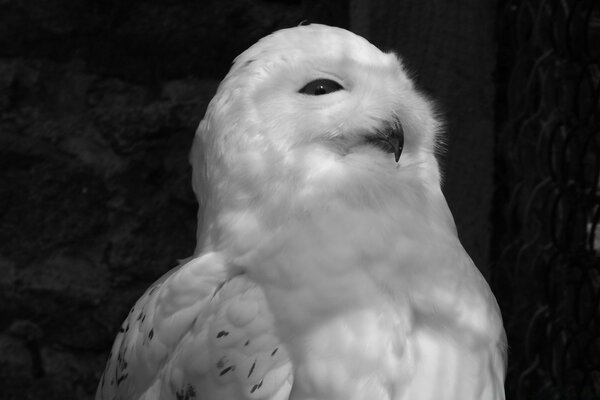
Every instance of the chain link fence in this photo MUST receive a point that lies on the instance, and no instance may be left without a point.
(547, 203)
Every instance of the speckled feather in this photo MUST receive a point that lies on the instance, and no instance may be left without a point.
(324, 269)
(196, 335)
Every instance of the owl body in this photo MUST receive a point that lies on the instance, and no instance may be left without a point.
(327, 265)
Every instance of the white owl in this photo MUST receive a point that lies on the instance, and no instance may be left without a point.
(328, 265)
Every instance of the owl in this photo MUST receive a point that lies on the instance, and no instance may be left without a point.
(327, 264)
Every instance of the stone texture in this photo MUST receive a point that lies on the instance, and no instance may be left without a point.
(96, 203)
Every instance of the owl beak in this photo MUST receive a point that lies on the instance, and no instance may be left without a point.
(395, 137)
(390, 139)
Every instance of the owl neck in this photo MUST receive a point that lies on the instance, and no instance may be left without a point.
(336, 257)
(347, 214)
(328, 264)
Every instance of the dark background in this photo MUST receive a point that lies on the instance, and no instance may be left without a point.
(99, 101)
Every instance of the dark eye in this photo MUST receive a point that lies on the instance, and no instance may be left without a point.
(320, 87)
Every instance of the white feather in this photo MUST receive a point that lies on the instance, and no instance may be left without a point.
(324, 269)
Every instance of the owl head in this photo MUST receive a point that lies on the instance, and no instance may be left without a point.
(314, 111)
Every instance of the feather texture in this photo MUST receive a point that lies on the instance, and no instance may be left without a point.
(324, 269)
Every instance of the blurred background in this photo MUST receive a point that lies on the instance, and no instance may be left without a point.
(99, 101)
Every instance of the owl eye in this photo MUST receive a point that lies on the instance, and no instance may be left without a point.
(320, 87)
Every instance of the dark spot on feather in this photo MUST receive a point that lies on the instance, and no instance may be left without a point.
(121, 379)
(221, 363)
(122, 362)
(274, 351)
(140, 316)
(257, 386)
(247, 343)
(151, 334)
(226, 370)
(252, 368)
(218, 288)
(222, 333)
(191, 391)
(121, 367)
(188, 394)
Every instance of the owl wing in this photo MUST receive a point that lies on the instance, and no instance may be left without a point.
(198, 332)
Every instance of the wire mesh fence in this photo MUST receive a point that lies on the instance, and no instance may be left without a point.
(547, 203)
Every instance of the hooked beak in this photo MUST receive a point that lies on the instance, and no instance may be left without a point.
(390, 139)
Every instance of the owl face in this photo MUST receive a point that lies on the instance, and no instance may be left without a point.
(314, 104)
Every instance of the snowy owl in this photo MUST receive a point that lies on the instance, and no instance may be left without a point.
(327, 264)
